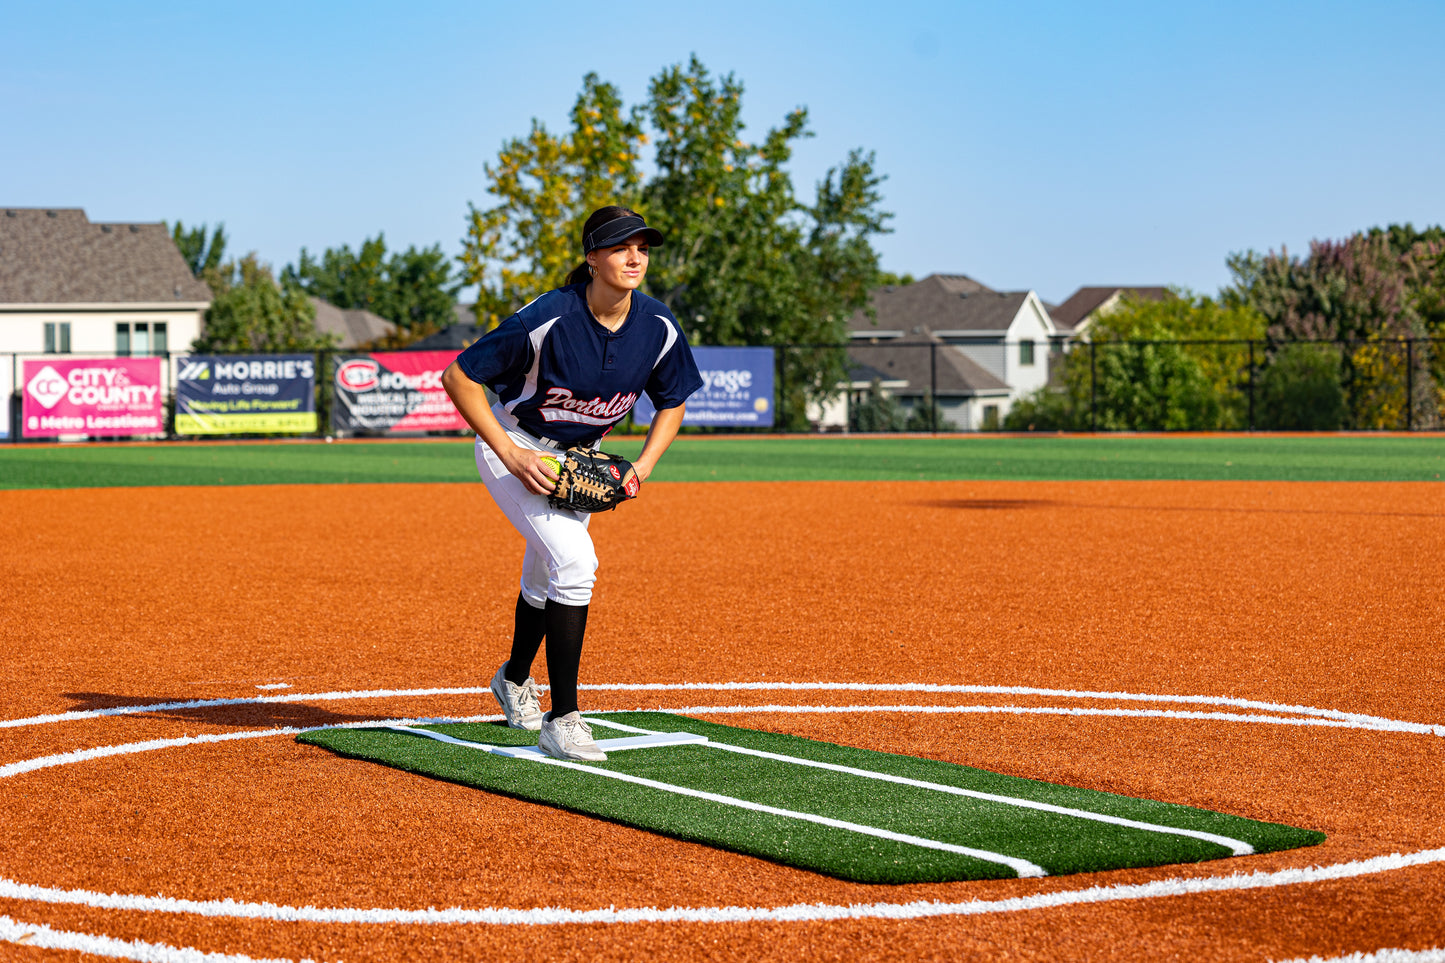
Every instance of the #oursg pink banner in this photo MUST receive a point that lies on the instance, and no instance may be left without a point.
(92, 396)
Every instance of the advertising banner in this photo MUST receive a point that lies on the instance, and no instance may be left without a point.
(737, 389)
(230, 394)
(7, 389)
(394, 391)
(92, 396)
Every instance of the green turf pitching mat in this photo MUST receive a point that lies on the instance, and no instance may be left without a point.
(869, 817)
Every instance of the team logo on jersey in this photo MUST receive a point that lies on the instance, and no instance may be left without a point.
(358, 374)
(561, 405)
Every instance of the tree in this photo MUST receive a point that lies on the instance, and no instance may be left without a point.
(252, 314)
(924, 415)
(1368, 292)
(1210, 325)
(876, 410)
(1054, 407)
(203, 253)
(1152, 365)
(414, 289)
(745, 261)
(1300, 389)
(546, 186)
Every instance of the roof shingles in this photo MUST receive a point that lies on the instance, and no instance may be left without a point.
(1085, 301)
(58, 256)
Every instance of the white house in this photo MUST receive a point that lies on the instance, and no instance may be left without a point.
(974, 349)
(71, 287)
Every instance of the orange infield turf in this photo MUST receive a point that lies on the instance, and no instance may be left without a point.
(1316, 608)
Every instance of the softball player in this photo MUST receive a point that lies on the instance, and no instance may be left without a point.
(565, 369)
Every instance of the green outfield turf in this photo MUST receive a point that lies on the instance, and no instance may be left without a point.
(1242, 457)
(924, 821)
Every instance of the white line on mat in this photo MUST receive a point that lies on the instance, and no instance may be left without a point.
(1022, 867)
(1237, 846)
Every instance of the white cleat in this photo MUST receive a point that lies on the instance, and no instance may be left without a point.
(568, 737)
(519, 702)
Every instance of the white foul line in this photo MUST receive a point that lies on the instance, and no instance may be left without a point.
(46, 938)
(1359, 720)
(611, 915)
(1383, 725)
(796, 912)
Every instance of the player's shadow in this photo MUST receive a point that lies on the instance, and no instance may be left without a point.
(254, 715)
(1019, 504)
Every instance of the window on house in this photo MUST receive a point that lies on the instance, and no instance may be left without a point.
(1026, 353)
(57, 337)
(990, 417)
(140, 338)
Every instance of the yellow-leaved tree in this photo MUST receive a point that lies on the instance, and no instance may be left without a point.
(546, 185)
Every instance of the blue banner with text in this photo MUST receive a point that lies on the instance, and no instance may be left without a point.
(737, 390)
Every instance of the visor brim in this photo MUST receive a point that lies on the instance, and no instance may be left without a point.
(651, 234)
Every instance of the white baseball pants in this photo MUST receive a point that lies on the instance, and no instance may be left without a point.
(560, 563)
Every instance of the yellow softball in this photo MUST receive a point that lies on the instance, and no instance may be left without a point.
(553, 465)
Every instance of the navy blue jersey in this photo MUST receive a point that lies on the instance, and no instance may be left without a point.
(562, 376)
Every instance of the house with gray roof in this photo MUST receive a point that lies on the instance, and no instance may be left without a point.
(972, 349)
(1075, 315)
(352, 327)
(71, 286)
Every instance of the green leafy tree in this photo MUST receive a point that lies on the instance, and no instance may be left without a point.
(1211, 333)
(252, 314)
(1300, 389)
(745, 261)
(1054, 407)
(348, 279)
(1152, 387)
(421, 289)
(203, 252)
(414, 289)
(1152, 365)
(1368, 291)
(876, 410)
(545, 186)
(924, 415)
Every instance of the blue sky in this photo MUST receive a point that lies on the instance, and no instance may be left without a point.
(1038, 145)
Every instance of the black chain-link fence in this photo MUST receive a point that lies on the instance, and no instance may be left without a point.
(1203, 385)
(987, 385)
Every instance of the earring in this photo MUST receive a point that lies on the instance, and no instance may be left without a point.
(592, 270)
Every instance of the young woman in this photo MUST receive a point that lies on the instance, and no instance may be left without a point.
(565, 369)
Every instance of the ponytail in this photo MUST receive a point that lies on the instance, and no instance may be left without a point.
(580, 274)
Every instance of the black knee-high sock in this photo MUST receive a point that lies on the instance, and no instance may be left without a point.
(566, 624)
(528, 627)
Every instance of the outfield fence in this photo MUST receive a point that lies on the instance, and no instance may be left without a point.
(898, 385)
(1153, 385)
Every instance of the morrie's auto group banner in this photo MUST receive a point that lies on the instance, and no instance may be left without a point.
(737, 389)
(92, 396)
(394, 391)
(229, 394)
